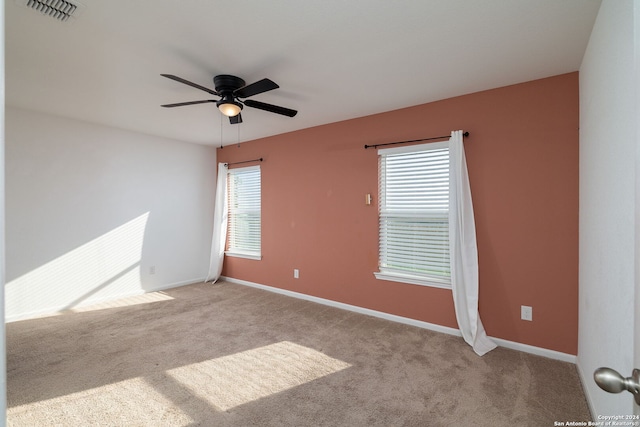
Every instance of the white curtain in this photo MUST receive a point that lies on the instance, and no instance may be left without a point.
(464, 251)
(220, 217)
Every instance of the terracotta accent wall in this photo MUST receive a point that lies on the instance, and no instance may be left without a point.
(522, 157)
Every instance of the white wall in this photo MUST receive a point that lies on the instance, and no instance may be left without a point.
(3, 355)
(636, 22)
(90, 210)
(607, 203)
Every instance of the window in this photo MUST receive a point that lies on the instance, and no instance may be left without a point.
(414, 214)
(244, 212)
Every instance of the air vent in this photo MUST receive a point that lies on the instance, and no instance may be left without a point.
(62, 10)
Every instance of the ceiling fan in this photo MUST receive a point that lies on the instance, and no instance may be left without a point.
(230, 89)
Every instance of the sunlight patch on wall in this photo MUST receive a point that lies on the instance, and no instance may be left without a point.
(104, 268)
(240, 378)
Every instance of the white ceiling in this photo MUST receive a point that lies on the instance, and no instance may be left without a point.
(333, 59)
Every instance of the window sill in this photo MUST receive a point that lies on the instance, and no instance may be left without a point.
(413, 280)
(256, 257)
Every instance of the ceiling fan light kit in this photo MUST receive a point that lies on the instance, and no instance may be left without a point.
(230, 89)
(229, 107)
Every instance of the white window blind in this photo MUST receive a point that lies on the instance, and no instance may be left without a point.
(414, 214)
(244, 212)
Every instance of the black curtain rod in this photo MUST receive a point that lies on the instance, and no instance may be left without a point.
(412, 140)
(246, 161)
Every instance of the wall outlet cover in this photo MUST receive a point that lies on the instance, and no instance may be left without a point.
(526, 312)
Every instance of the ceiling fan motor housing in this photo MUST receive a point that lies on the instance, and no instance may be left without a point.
(226, 83)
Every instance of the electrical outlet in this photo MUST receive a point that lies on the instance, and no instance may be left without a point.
(296, 273)
(152, 269)
(526, 313)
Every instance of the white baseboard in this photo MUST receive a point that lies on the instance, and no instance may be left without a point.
(354, 308)
(59, 309)
(551, 354)
(585, 380)
(538, 351)
(175, 285)
(62, 308)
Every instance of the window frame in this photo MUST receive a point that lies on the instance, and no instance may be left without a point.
(238, 251)
(396, 276)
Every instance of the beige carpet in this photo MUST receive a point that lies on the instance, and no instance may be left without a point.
(229, 355)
